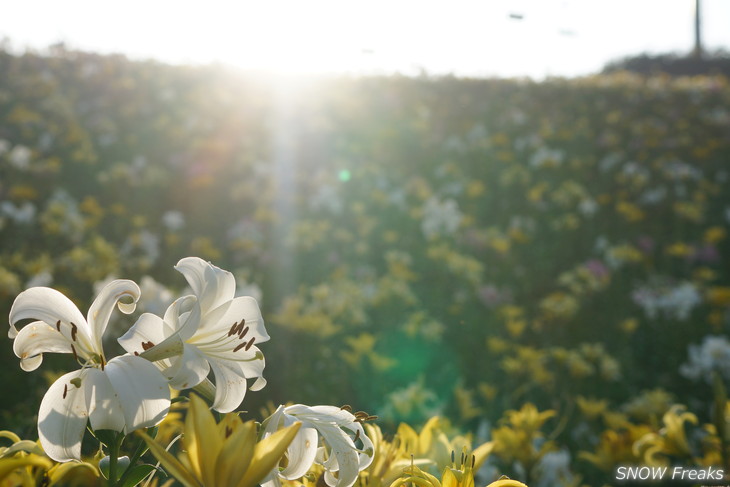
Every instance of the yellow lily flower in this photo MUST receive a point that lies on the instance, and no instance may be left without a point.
(25, 464)
(456, 475)
(220, 454)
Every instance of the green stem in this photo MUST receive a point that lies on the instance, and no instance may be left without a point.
(141, 450)
(113, 456)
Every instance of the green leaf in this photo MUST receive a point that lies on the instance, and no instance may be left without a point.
(137, 473)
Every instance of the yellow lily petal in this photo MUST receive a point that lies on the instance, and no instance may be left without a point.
(412, 480)
(430, 478)
(426, 437)
(506, 483)
(481, 453)
(8, 465)
(236, 454)
(201, 440)
(448, 479)
(169, 462)
(267, 455)
(83, 471)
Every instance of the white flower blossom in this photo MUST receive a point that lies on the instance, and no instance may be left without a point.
(209, 329)
(340, 431)
(123, 394)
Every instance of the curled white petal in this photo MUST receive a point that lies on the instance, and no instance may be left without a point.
(50, 306)
(301, 451)
(35, 339)
(101, 309)
(212, 285)
(340, 455)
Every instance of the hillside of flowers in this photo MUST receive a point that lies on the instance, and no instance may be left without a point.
(536, 272)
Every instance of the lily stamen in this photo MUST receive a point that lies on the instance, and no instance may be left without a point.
(243, 332)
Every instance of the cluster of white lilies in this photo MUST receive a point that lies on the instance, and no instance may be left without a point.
(210, 329)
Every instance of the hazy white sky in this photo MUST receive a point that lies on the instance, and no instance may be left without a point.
(464, 37)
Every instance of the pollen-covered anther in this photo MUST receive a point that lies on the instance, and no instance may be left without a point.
(58, 326)
(250, 343)
(346, 407)
(147, 345)
(233, 329)
(65, 390)
(74, 330)
(239, 346)
(243, 332)
(357, 436)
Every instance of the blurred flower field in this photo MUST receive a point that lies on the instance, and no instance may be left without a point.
(543, 266)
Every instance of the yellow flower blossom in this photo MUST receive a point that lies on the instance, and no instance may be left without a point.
(719, 296)
(679, 249)
(225, 453)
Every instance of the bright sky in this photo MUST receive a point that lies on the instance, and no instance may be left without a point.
(464, 37)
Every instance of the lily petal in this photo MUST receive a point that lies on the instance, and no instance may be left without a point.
(169, 462)
(202, 441)
(188, 370)
(267, 455)
(50, 306)
(35, 339)
(236, 453)
(230, 384)
(258, 385)
(301, 451)
(102, 307)
(142, 390)
(183, 316)
(62, 418)
(102, 402)
(344, 455)
(148, 329)
(213, 286)
(242, 309)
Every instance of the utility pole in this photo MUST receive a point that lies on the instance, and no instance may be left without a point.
(698, 28)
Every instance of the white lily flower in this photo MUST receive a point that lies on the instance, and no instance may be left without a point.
(123, 394)
(340, 431)
(208, 330)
